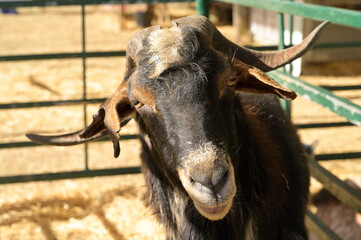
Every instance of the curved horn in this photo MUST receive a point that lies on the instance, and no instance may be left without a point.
(94, 131)
(111, 116)
(65, 139)
(275, 59)
(265, 61)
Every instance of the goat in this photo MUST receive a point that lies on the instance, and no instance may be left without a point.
(220, 158)
(340, 218)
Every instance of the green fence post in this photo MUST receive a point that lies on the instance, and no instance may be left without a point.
(286, 105)
(84, 79)
(290, 19)
(202, 7)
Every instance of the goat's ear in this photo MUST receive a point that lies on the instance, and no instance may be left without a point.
(111, 116)
(250, 79)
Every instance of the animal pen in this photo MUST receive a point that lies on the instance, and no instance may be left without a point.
(343, 107)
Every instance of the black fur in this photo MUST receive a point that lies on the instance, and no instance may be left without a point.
(193, 104)
(272, 177)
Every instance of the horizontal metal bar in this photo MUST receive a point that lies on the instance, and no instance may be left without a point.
(69, 175)
(338, 156)
(44, 3)
(263, 48)
(336, 15)
(18, 144)
(324, 125)
(33, 144)
(334, 185)
(51, 103)
(341, 88)
(351, 18)
(62, 55)
(321, 230)
(26, 57)
(321, 96)
(338, 45)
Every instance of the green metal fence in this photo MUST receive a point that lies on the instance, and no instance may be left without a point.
(83, 54)
(321, 96)
(325, 98)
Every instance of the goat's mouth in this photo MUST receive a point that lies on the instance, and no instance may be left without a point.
(214, 213)
(213, 204)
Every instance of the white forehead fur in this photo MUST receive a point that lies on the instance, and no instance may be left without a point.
(164, 48)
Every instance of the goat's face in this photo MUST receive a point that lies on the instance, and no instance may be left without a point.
(180, 85)
(183, 89)
(186, 112)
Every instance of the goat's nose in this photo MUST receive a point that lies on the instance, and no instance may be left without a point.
(209, 178)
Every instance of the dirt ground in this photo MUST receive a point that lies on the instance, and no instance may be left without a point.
(106, 207)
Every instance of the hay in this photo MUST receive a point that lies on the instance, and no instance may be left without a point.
(103, 207)
(97, 208)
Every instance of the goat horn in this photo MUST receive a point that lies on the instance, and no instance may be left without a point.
(65, 139)
(265, 61)
(111, 116)
(94, 131)
(272, 60)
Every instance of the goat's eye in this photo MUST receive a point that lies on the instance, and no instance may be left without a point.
(138, 104)
(232, 81)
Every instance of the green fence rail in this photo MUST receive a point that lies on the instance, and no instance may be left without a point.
(325, 98)
(322, 230)
(350, 111)
(62, 56)
(321, 96)
(54, 3)
(340, 16)
(69, 175)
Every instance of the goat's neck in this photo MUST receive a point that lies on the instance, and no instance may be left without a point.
(176, 211)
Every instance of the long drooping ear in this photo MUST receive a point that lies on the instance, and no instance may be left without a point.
(111, 116)
(250, 79)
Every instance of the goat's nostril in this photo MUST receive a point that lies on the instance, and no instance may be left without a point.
(210, 179)
(222, 180)
(192, 179)
(219, 176)
(200, 177)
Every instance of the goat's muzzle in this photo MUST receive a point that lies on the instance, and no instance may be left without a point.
(207, 175)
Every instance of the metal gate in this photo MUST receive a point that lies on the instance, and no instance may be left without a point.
(83, 55)
(321, 96)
